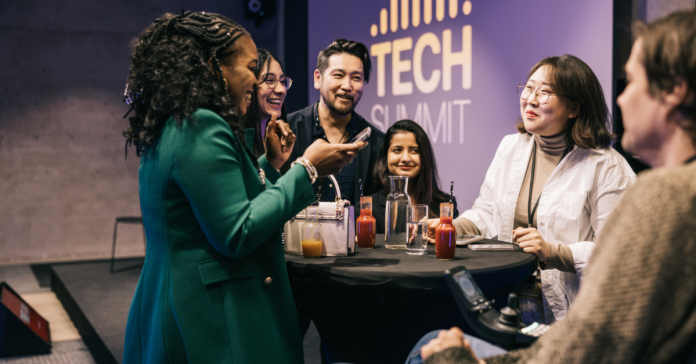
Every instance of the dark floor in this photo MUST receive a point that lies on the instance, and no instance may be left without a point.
(63, 352)
(98, 303)
(42, 272)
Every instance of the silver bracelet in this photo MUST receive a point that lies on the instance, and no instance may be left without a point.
(311, 171)
(311, 166)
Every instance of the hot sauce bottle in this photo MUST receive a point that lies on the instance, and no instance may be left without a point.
(445, 234)
(366, 224)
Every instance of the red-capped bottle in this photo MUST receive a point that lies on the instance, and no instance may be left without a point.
(366, 224)
(445, 234)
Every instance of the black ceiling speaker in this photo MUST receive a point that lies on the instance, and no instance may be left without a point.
(259, 10)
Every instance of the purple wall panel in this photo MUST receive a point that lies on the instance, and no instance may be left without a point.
(507, 39)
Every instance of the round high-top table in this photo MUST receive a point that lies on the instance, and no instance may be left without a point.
(373, 306)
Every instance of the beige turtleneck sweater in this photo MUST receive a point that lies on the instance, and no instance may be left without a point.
(549, 152)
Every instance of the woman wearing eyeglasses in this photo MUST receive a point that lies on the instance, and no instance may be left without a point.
(268, 100)
(551, 187)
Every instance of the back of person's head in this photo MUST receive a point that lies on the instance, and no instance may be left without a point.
(175, 70)
(669, 57)
(427, 183)
(573, 81)
(349, 47)
(253, 115)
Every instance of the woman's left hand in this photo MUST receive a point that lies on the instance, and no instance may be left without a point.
(445, 340)
(279, 142)
(531, 242)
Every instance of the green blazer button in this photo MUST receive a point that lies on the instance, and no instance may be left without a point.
(268, 281)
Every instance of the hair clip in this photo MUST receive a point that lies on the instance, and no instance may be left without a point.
(126, 95)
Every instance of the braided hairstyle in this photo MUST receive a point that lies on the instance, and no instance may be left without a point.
(170, 75)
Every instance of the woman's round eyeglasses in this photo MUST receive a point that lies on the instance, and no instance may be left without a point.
(271, 81)
(524, 91)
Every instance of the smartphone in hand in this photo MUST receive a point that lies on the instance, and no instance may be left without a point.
(362, 136)
(493, 247)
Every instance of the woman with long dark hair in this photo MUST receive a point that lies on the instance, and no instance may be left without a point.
(406, 151)
(552, 185)
(214, 286)
(269, 98)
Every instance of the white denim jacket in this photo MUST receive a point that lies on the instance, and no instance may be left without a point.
(577, 199)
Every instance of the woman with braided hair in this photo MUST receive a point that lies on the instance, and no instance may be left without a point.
(214, 286)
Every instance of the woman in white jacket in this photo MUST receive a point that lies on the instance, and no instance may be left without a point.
(562, 157)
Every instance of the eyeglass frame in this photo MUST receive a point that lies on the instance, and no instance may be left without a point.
(275, 84)
(535, 93)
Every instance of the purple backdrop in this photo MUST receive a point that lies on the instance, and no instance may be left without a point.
(457, 71)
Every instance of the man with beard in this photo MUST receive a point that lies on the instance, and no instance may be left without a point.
(343, 68)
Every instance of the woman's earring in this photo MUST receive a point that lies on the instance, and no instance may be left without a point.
(224, 80)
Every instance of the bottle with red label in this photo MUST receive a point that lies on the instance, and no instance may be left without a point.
(445, 234)
(366, 229)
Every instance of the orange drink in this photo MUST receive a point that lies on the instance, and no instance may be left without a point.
(311, 248)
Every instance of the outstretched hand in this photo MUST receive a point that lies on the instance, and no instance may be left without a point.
(331, 158)
(278, 142)
(531, 242)
(454, 337)
(432, 225)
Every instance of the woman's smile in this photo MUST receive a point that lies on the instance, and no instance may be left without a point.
(275, 102)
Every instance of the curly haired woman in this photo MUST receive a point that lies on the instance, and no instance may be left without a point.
(214, 287)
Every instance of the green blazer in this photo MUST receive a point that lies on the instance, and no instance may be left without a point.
(214, 287)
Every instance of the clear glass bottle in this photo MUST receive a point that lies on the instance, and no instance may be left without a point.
(396, 218)
(312, 241)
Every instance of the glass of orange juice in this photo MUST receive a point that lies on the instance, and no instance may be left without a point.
(311, 235)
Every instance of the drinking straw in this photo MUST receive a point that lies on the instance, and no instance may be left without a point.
(451, 191)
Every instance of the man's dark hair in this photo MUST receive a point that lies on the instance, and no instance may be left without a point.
(427, 184)
(252, 119)
(669, 57)
(170, 74)
(345, 46)
(574, 83)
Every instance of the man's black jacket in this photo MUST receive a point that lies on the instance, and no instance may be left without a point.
(301, 124)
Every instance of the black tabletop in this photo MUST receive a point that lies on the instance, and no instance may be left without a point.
(491, 269)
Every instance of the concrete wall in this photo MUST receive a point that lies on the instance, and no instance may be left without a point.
(63, 177)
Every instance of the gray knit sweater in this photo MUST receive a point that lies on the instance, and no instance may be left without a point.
(637, 303)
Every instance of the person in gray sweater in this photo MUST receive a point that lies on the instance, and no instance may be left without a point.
(638, 303)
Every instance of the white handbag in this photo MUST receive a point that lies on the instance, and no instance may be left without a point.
(336, 223)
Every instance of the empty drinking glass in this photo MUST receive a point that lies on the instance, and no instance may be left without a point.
(417, 233)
